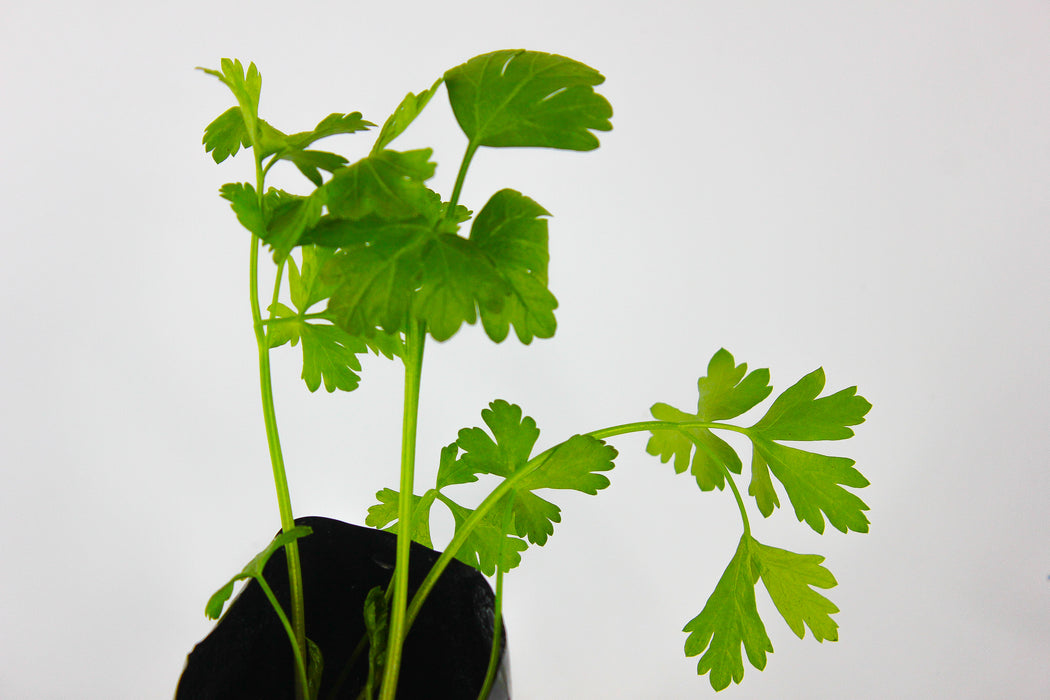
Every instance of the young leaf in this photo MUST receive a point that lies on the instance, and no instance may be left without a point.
(726, 392)
(253, 569)
(509, 230)
(246, 87)
(729, 619)
(404, 115)
(528, 98)
(225, 135)
(572, 465)
(488, 545)
(331, 125)
(245, 204)
(790, 578)
(377, 624)
(384, 515)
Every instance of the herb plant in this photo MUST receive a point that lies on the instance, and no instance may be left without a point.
(372, 260)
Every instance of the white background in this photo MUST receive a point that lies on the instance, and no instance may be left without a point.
(862, 186)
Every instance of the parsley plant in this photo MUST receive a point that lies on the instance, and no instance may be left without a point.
(372, 260)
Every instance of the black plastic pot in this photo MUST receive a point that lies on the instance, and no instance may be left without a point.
(248, 655)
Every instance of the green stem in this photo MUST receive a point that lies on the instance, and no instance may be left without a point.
(415, 339)
(460, 177)
(300, 661)
(497, 616)
(280, 478)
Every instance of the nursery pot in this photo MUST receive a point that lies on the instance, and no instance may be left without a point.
(248, 654)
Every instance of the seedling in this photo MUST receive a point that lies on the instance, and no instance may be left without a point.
(372, 260)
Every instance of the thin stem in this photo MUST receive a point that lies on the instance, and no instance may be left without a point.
(460, 177)
(415, 339)
(280, 478)
(497, 616)
(300, 662)
(739, 501)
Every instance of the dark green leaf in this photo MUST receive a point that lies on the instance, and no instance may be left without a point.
(253, 569)
(388, 184)
(509, 230)
(528, 98)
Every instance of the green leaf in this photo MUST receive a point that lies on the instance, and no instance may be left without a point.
(455, 280)
(509, 446)
(377, 627)
(571, 465)
(728, 391)
(225, 135)
(730, 619)
(488, 545)
(761, 486)
(253, 569)
(287, 330)
(709, 453)
(798, 414)
(725, 392)
(528, 98)
(385, 514)
(388, 184)
(309, 287)
(330, 354)
(790, 578)
(451, 470)
(813, 483)
(292, 216)
(246, 87)
(314, 668)
(404, 115)
(509, 230)
(331, 125)
(244, 201)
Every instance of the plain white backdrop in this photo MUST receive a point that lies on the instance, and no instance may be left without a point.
(860, 186)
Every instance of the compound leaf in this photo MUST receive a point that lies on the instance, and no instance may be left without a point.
(528, 98)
